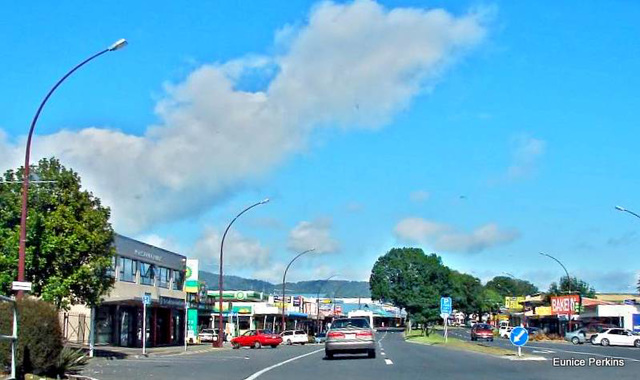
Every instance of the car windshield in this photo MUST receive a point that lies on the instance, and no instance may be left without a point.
(350, 323)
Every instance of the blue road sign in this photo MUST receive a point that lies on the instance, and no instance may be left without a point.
(445, 305)
(146, 299)
(519, 336)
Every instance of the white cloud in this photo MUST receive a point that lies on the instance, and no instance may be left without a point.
(419, 196)
(354, 65)
(313, 235)
(443, 237)
(239, 252)
(526, 153)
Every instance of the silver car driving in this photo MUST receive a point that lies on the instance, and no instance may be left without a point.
(350, 336)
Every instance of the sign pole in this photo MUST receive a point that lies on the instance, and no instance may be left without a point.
(144, 328)
(446, 332)
(519, 351)
(186, 319)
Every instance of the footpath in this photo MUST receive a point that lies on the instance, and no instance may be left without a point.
(115, 353)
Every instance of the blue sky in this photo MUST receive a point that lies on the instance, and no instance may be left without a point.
(483, 131)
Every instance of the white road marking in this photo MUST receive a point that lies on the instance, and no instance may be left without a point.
(388, 361)
(383, 354)
(257, 374)
(589, 353)
(543, 352)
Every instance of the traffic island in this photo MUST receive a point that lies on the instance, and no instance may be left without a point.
(436, 339)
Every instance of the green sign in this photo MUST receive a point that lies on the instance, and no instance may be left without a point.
(192, 322)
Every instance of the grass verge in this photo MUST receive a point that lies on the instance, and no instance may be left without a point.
(454, 343)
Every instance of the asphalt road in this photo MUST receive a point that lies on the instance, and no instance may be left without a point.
(396, 360)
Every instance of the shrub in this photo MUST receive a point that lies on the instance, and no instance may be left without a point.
(71, 361)
(39, 336)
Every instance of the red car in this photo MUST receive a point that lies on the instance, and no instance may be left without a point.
(256, 339)
(482, 331)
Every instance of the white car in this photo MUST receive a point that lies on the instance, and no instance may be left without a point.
(616, 337)
(505, 331)
(208, 335)
(294, 336)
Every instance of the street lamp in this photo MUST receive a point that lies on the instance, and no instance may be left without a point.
(25, 178)
(620, 208)
(318, 300)
(568, 279)
(284, 279)
(218, 343)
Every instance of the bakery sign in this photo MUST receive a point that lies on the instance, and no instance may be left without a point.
(565, 304)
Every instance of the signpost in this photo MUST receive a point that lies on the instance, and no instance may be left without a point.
(146, 300)
(445, 311)
(519, 337)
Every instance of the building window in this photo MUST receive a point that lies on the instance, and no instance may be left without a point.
(178, 279)
(147, 274)
(165, 276)
(111, 270)
(128, 269)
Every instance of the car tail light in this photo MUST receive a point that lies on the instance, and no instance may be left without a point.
(335, 335)
(364, 334)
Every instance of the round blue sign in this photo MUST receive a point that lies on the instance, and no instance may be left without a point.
(519, 336)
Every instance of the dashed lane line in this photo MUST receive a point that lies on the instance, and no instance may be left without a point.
(257, 374)
(388, 361)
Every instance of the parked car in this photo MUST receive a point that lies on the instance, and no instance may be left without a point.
(534, 331)
(595, 328)
(350, 336)
(617, 337)
(294, 336)
(256, 339)
(208, 335)
(577, 337)
(320, 337)
(482, 331)
(505, 331)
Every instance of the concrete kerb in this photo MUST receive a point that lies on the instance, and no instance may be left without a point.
(118, 353)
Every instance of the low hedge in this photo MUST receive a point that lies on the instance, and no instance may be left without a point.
(39, 336)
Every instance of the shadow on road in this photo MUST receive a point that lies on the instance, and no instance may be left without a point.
(350, 357)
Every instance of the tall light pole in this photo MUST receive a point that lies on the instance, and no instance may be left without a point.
(25, 177)
(284, 277)
(318, 300)
(218, 343)
(620, 208)
(568, 279)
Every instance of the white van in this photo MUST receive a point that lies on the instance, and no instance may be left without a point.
(294, 336)
(368, 315)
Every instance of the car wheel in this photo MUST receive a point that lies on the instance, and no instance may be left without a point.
(329, 354)
(235, 345)
(274, 346)
(575, 340)
(604, 342)
(257, 344)
(637, 343)
(302, 343)
(371, 354)
(289, 342)
(491, 340)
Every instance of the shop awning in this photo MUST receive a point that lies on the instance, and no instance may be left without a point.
(296, 314)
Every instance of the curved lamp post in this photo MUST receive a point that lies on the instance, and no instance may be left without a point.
(218, 343)
(568, 279)
(25, 178)
(620, 208)
(283, 282)
(318, 300)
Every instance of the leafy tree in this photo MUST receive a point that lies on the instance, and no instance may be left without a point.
(69, 244)
(467, 293)
(507, 286)
(572, 285)
(410, 279)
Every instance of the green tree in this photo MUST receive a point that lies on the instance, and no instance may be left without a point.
(69, 244)
(507, 286)
(410, 279)
(467, 295)
(572, 285)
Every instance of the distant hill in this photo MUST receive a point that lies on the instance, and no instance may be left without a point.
(326, 288)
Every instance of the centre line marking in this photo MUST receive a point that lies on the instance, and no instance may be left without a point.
(257, 374)
(388, 361)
